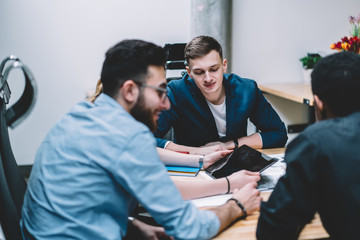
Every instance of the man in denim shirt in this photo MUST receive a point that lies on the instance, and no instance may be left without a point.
(99, 161)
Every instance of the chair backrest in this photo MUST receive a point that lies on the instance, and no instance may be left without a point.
(175, 59)
(12, 184)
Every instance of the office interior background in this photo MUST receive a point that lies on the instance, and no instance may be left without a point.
(63, 42)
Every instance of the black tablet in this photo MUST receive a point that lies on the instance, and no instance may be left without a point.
(242, 158)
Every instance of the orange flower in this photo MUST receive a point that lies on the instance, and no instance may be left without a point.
(351, 43)
(345, 46)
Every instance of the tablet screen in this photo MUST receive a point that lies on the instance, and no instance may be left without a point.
(243, 158)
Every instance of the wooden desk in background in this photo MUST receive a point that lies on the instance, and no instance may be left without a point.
(246, 229)
(296, 92)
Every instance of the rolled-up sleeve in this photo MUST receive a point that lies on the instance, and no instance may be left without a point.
(148, 181)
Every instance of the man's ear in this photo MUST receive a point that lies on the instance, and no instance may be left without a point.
(319, 104)
(322, 109)
(188, 71)
(129, 92)
(319, 108)
(225, 64)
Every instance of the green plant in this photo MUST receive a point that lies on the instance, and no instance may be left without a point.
(309, 60)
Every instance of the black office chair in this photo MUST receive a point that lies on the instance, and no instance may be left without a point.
(12, 183)
(175, 59)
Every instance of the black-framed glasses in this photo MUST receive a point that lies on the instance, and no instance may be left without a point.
(161, 91)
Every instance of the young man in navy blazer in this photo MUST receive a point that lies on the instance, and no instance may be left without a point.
(211, 108)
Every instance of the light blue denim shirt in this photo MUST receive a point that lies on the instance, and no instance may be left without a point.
(92, 168)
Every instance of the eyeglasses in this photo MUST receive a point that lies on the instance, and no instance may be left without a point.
(161, 91)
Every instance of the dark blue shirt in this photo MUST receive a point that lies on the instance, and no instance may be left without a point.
(322, 175)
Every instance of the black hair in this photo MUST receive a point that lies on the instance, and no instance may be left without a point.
(336, 81)
(129, 59)
(200, 46)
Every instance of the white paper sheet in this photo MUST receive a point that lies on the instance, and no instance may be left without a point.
(271, 176)
(211, 201)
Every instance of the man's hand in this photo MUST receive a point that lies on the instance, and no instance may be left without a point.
(241, 178)
(222, 145)
(204, 150)
(214, 157)
(249, 197)
(151, 232)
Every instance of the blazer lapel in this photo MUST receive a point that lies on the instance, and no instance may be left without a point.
(231, 112)
(203, 109)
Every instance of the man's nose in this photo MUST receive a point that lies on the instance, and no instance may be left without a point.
(207, 76)
(165, 104)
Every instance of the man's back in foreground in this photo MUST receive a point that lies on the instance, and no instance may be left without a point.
(323, 162)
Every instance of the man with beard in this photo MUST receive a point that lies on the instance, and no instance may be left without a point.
(99, 161)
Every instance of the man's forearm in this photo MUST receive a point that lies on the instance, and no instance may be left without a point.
(254, 141)
(169, 157)
(177, 147)
(227, 214)
(194, 150)
(196, 189)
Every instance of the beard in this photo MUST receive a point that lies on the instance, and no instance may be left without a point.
(143, 114)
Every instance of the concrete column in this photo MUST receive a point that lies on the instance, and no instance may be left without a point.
(213, 18)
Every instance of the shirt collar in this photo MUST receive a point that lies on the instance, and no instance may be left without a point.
(104, 99)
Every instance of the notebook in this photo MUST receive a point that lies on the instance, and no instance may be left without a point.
(242, 158)
(182, 171)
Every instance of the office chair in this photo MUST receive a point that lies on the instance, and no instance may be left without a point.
(12, 184)
(175, 59)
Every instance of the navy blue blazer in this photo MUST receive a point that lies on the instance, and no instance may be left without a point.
(194, 124)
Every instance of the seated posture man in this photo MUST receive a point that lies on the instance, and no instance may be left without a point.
(323, 162)
(210, 107)
(98, 162)
(190, 189)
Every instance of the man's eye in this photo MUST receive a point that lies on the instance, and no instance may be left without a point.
(160, 93)
(163, 85)
(214, 69)
(198, 73)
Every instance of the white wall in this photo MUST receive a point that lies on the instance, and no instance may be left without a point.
(269, 38)
(63, 42)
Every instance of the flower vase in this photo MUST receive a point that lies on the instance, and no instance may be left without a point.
(307, 76)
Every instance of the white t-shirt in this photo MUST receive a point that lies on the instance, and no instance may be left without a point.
(219, 113)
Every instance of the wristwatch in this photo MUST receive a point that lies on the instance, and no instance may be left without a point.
(236, 143)
(201, 161)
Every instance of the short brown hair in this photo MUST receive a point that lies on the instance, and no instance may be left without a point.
(200, 46)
